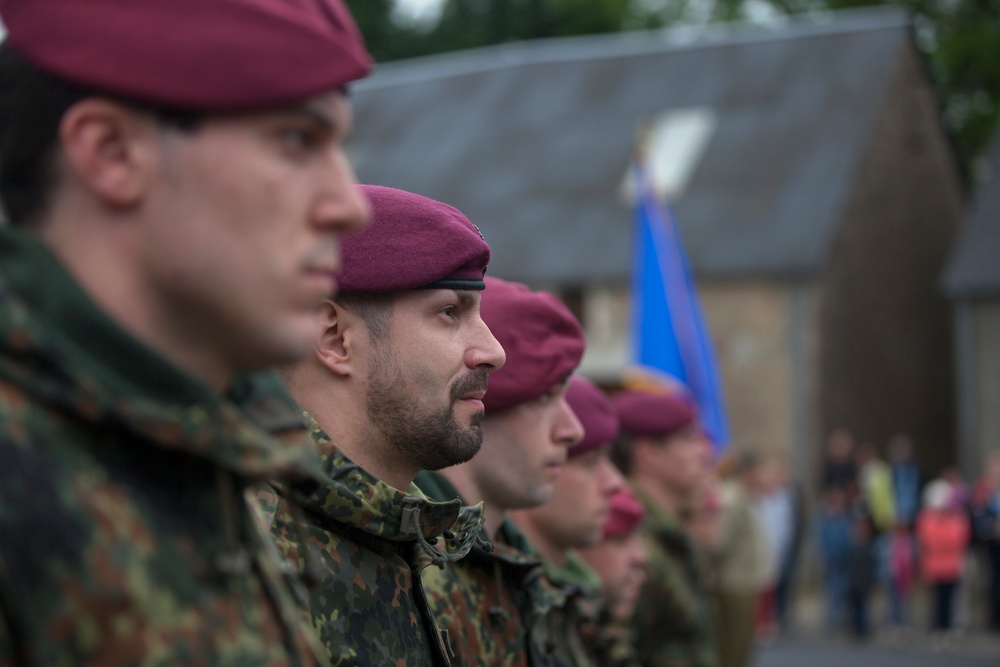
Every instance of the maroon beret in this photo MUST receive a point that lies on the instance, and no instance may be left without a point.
(542, 339)
(625, 515)
(653, 413)
(208, 55)
(594, 410)
(412, 243)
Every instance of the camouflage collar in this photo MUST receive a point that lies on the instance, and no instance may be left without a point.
(662, 526)
(510, 545)
(66, 352)
(576, 574)
(574, 581)
(352, 496)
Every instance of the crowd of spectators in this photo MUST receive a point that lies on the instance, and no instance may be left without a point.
(883, 528)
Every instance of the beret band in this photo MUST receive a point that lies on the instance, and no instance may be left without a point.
(457, 283)
(413, 242)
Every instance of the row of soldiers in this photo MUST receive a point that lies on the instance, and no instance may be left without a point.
(182, 220)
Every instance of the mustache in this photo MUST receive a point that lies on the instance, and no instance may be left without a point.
(474, 381)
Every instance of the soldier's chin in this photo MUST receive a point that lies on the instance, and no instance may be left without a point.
(461, 452)
(541, 496)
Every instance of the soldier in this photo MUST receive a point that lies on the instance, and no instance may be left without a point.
(394, 386)
(174, 181)
(573, 518)
(619, 559)
(664, 453)
(493, 603)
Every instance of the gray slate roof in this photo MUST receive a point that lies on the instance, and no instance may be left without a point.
(531, 140)
(974, 267)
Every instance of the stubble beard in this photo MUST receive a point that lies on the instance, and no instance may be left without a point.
(429, 439)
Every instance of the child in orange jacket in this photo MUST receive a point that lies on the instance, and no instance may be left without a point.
(943, 534)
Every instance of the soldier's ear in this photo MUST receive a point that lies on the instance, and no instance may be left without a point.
(108, 149)
(335, 349)
(641, 450)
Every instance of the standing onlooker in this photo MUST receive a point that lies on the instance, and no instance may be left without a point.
(897, 557)
(897, 548)
(782, 512)
(838, 467)
(943, 535)
(875, 486)
(745, 565)
(959, 493)
(833, 528)
(906, 480)
(986, 517)
(861, 572)
(959, 499)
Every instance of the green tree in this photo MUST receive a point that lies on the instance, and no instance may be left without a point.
(385, 37)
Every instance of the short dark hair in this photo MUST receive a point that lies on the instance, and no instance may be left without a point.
(374, 309)
(32, 104)
(622, 452)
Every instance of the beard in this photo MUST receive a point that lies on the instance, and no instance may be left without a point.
(429, 438)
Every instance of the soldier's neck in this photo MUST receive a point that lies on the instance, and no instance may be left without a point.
(460, 477)
(363, 444)
(661, 496)
(553, 553)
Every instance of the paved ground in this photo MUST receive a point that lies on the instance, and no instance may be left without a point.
(809, 646)
(911, 651)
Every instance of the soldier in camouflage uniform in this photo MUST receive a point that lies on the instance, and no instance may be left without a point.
(167, 239)
(619, 559)
(493, 604)
(663, 451)
(573, 518)
(395, 386)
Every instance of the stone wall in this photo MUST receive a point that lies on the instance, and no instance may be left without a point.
(886, 362)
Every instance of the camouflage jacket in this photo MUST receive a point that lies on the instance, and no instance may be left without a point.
(672, 624)
(372, 544)
(124, 537)
(492, 604)
(573, 621)
(614, 644)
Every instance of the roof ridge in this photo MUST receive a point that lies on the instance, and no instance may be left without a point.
(629, 44)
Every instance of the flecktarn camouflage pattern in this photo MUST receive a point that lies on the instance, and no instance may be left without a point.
(614, 644)
(124, 536)
(673, 624)
(372, 544)
(583, 627)
(573, 622)
(494, 602)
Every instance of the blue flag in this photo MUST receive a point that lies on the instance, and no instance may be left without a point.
(669, 333)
